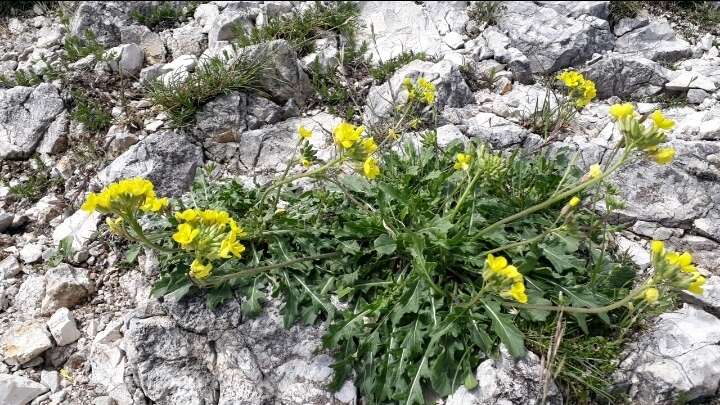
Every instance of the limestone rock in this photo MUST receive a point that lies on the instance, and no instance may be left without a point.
(150, 42)
(126, 59)
(24, 342)
(66, 286)
(678, 357)
(17, 390)
(690, 80)
(63, 328)
(9, 267)
(55, 139)
(551, 41)
(507, 381)
(452, 91)
(599, 9)
(80, 226)
(30, 295)
(655, 40)
(628, 77)
(107, 364)
(31, 253)
(166, 158)
(25, 115)
(185, 40)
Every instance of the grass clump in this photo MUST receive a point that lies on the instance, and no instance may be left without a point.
(181, 97)
(38, 183)
(91, 113)
(163, 16)
(485, 12)
(386, 69)
(302, 28)
(77, 48)
(14, 8)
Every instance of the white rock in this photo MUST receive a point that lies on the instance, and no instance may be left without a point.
(80, 226)
(448, 133)
(454, 40)
(690, 80)
(710, 129)
(31, 253)
(205, 15)
(126, 59)
(63, 328)
(66, 286)
(30, 294)
(638, 254)
(16, 390)
(9, 267)
(150, 42)
(24, 342)
(51, 379)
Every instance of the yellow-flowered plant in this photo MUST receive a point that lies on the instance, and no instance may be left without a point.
(580, 90)
(462, 161)
(675, 269)
(646, 138)
(420, 90)
(124, 197)
(346, 134)
(504, 279)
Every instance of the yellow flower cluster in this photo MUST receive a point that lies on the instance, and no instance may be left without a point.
(462, 161)
(504, 278)
(349, 138)
(581, 90)
(125, 196)
(210, 235)
(646, 138)
(675, 269)
(421, 89)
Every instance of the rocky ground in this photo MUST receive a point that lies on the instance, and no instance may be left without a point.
(78, 325)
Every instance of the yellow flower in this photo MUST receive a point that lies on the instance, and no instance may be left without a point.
(620, 111)
(696, 287)
(392, 134)
(657, 247)
(214, 217)
(200, 271)
(517, 292)
(496, 263)
(306, 162)
(571, 78)
(370, 168)
(663, 156)
(595, 171)
(230, 246)
(462, 161)
(95, 201)
(347, 134)
(574, 202)
(682, 260)
(428, 90)
(369, 145)
(115, 225)
(651, 295)
(660, 121)
(154, 204)
(188, 215)
(185, 234)
(305, 133)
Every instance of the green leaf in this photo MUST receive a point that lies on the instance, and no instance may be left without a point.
(384, 245)
(252, 305)
(535, 315)
(559, 259)
(218, 295)
(132, 253)
(506, 330)
(470, 382)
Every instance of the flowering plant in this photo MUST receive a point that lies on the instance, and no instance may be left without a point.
(439, 253)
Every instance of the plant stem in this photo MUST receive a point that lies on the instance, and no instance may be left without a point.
(594, 310)
(140, 236)
(464, 195)
(297, 177)
(558, 197)
(522, 242)
(257, 270)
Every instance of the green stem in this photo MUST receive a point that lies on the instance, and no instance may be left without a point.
(559, 197)
(140, 236)
(464, 195)
(257, 270)
(297, 177)
(521, 243)
(594, 310)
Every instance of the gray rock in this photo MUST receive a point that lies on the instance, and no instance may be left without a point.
(235, 113)
(223, 26)
(449, 133)
(96, 17)
(655, 40)
(599, 9)
(25, 115)
(51, 379)
(498, 132)
(17, 390)
(126, 59)
(107, 364)
(150, 42)
(393, 35)
(31, 253)
(709, 301)
(185, 40)
(628, 77)
(166, 158)
(690, 80)
(9, 267)
(252, 362)
(6, 219)
(80, 227)
(325, 56)
(708, 67)
(677, 358)
(55, 139)
(697, 96)
(508, 381)
(29, 297)
(549, 40)
(66, 286)
(205, 15)
(452, 91)
(63, 328)
(24, 342)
